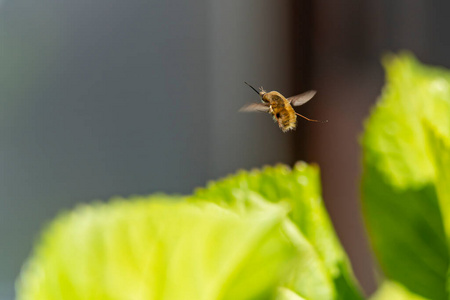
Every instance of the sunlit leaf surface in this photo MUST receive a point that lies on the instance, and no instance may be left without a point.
(156, 249)
(399, 198)
(255, 235)
(322, 270)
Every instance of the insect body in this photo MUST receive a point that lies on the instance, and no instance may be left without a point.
(279, 107)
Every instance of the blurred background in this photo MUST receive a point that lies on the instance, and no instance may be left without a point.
(114, 98)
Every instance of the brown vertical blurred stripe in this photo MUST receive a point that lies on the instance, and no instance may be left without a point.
(332, 44)
(302, 58)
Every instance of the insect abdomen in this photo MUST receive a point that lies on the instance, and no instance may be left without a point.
(287, 120)
(282, 111)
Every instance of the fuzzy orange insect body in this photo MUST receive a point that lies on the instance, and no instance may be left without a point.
(279, 107)
(281, 110)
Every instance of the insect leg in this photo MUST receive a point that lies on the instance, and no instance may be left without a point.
(311, 119)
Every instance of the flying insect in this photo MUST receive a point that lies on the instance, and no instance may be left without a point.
(279, 107)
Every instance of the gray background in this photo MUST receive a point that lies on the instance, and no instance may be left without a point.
(106, 98)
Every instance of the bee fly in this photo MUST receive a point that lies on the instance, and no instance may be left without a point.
(279, 107)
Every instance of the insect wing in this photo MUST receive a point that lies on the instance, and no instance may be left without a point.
(255, 107)
(301, 99)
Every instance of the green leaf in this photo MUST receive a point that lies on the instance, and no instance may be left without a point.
(391, 290)
(287, 294)
(440, 150)
(322, 270)
(153, 248)
(399, 199)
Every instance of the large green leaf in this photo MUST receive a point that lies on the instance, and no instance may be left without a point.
(151, 248)
(255, 235)
(399, 198)
(322, 270)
